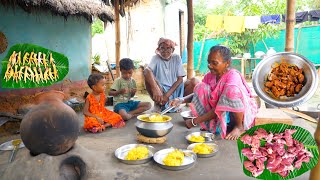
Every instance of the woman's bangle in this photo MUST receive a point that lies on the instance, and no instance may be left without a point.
(193, 124)
(181, 100)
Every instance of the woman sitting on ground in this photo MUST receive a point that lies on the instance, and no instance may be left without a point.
(222, 102)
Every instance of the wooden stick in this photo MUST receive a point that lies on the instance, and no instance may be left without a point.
(304, 116)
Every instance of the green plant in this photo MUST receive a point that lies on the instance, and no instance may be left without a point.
(137, 63)
(97, 27)
(96, 58)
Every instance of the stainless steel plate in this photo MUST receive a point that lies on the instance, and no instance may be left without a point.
(189, 159)
(187, 115)
(122, 152)
(213, 145)
(7, 146)
(209, 136)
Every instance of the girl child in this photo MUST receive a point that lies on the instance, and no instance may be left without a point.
(97, 117)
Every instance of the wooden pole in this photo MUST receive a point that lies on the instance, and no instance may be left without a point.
(290, 22)
(117, 38)
(190, 39)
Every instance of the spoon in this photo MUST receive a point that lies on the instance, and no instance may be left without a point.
(16, 143)
(207, 138)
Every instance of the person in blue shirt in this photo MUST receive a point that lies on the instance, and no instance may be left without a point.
(164, 76)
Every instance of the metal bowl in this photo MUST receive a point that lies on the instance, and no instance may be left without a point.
(187, 115)
(154, 130)
(213, 145)
(122, 152)
(264, 67)
(188, 161)
(209, 137)
(144, 118)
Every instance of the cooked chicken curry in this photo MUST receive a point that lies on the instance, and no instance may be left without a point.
(284, 80)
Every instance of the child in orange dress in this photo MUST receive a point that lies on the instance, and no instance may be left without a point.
(97, 117)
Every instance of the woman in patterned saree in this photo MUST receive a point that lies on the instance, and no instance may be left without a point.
(222, 102)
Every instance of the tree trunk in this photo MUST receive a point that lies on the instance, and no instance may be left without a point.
(117, 38)
(290, 22)
(190, 39)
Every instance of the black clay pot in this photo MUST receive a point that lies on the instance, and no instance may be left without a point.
(50, 127)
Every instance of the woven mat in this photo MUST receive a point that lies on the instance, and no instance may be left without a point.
(150, 140)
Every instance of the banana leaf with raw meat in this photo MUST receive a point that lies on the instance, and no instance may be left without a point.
(302, 135)
(61, 63)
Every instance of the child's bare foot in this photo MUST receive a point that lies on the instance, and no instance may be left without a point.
(235, 133)
(106, 125)
(120, 124)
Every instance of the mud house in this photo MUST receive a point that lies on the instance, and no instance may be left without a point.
(58, 25)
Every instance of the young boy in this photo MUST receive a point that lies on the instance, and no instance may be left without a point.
(123, 89)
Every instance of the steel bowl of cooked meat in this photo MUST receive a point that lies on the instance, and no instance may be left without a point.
(285, 79)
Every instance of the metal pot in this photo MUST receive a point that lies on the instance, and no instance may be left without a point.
(264, 67)
(152, 129)
(310, 111)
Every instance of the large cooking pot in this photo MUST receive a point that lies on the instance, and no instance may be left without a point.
(51, 127)
(153, 129)
(264, 68)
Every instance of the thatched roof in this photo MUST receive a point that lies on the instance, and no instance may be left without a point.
(85, 8)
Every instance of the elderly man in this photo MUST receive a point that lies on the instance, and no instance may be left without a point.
(164, 76)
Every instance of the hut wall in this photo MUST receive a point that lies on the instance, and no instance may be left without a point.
(150, 20)
(71, 37)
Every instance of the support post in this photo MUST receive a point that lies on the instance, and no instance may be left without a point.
(117, 38)
(190, 39)
(290, 22)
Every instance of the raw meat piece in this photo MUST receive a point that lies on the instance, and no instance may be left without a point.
(284, 173)
(291, 149)
(248, 153)
(277, 136)
(260, 163)
(250, 166)
(279, 148)
(261, 133)
(287, 161)
(263, 151)
(288, 136)
(273, 163)
(257, 173)
(269, 137)
(280, 141)
(255, 142)
(246, 139)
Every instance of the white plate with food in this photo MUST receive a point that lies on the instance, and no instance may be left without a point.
(200, 137)
(175, 159)
(204, 150)
(135, 153)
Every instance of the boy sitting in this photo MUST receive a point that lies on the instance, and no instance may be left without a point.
(123, 89)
